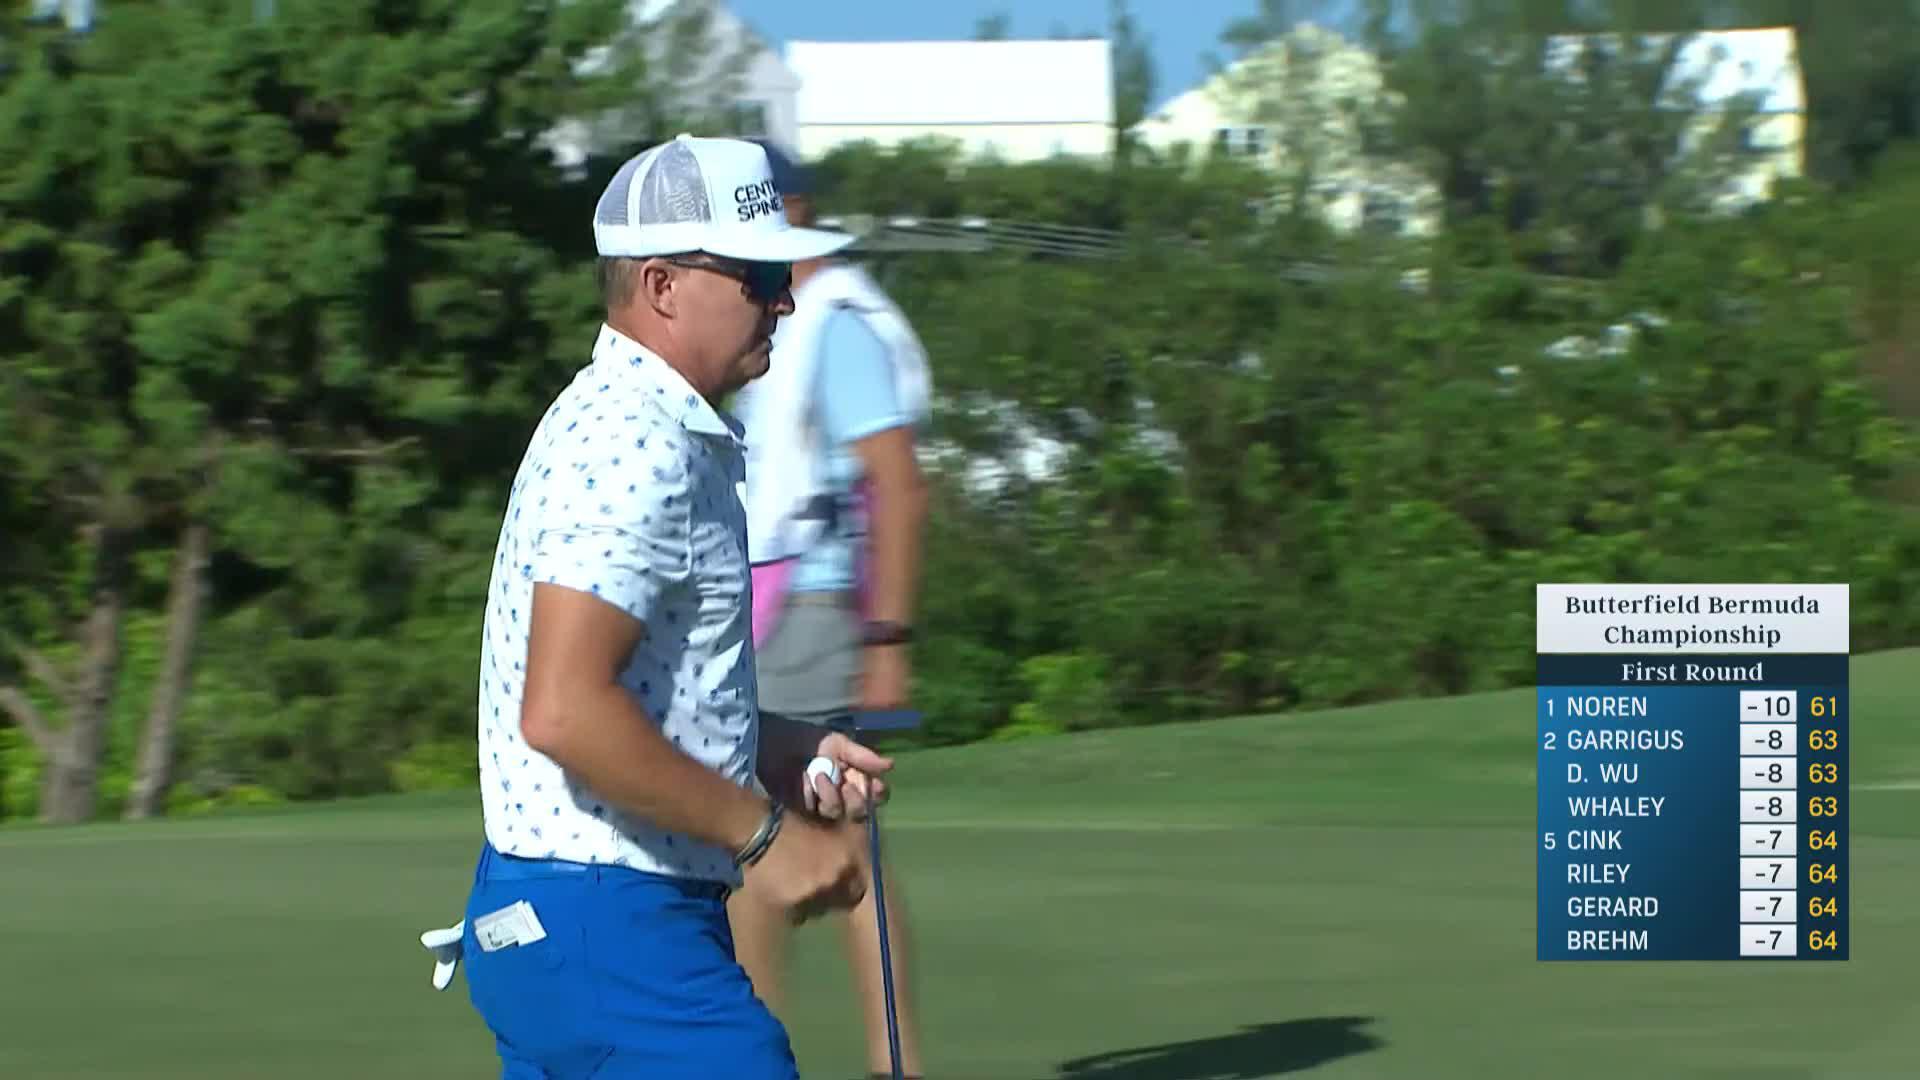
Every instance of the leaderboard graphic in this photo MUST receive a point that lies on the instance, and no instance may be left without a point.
(1693, 748)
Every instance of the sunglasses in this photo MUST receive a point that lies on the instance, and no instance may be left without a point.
(762, 282)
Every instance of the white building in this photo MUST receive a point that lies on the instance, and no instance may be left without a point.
(1203, 120)
(1303, 106)
(1307, 102)
(1015, 100)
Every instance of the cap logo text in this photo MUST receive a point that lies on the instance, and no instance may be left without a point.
(756, 200)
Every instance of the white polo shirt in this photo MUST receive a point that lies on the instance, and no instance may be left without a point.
(631, 489)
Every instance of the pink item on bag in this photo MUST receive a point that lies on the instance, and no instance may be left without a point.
(770, 580)
(769, 597)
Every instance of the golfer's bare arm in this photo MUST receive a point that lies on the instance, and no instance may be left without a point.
(898, 509)
(575, 711)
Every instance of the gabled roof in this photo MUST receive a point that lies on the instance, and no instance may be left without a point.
(953, 82)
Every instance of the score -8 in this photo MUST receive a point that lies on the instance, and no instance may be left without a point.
(1767, 739)
(1767, 807)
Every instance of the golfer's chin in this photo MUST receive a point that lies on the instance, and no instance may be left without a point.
(758, 361)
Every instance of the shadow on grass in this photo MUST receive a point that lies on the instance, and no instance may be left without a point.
(1251, 1053)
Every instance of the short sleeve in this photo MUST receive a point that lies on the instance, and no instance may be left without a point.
(616, 526)
(856, 392)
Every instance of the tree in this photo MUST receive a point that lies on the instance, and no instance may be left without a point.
(1189, 458)
(264, 264)
(1181, 479)
(696, 55)
(1861, 63)
(1274, 19)
(995, 27)
(1133, 75)
(1573, 125)
(1321, 104)
(186, 606)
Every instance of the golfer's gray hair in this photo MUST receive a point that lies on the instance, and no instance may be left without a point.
(617, 278)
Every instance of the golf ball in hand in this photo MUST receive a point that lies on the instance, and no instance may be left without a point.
(823, 766)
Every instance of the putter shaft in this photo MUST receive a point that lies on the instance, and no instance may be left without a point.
(886, 951)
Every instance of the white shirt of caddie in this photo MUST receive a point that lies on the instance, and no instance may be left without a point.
(631, 490)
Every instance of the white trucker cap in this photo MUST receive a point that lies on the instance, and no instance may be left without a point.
(697, 194)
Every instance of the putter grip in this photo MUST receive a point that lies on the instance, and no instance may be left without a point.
(886, 720)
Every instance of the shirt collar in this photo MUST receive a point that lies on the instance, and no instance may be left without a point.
(617, 354)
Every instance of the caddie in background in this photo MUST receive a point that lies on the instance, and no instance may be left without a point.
(835, 505)
(628, 779)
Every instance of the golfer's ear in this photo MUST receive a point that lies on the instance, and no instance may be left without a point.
(658, 287)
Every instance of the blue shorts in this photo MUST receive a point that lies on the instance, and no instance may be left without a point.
(636, 977)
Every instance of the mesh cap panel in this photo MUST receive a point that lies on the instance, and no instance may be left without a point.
(612, 209)
(672, 190)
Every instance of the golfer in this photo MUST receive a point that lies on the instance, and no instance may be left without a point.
(835, 505)
(619, 733)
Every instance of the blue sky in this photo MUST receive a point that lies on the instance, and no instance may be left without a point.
(1180, 32)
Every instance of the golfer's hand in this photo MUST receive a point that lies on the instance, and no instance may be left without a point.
(811, 869)
(860, 787)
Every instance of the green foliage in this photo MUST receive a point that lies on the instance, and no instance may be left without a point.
(315, 281)
(185, 802)
(296, 277)
(1272, 496)
(1066, 692)
(1861, 65)
(19, 775)
(440, 765)
(1134, 80)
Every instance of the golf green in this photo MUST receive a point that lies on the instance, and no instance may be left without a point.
(1347, 892)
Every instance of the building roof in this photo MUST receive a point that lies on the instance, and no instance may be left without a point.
(953, 82)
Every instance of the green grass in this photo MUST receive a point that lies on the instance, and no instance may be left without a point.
(1350, 893)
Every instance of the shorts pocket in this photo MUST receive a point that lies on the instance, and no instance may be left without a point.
(538, 998)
